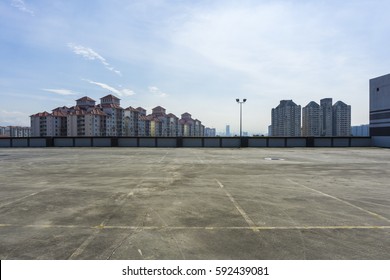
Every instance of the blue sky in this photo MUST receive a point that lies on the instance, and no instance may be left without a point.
(191, 56)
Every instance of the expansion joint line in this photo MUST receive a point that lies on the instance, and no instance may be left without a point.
(341, 200)
(249, 221)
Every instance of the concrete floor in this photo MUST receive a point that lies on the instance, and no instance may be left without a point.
(156, 203)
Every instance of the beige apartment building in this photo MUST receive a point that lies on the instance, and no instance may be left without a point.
(108, 118)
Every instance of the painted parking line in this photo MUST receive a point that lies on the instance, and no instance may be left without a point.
(258, 228)
(249, 221)
(341, 200)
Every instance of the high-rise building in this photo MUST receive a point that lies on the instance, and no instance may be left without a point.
(110, 105)
(227, 133)
(380, 110)
(326, 117)
(341, 119)
(286, 119)
(311, 119)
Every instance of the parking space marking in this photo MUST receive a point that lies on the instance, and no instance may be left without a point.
(257, 228)
(341, 200)
(238, 207)
(84, 245)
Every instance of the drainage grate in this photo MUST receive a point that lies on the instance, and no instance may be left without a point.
(273, 158)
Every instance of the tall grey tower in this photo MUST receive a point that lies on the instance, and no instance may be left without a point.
(286, 119)
(326, 117)
(311, 119)
(341, 119)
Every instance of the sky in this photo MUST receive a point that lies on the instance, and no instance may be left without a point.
(191, 56)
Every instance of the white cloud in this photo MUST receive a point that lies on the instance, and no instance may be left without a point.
(90, 54)
(60, 91)
(120, 92)
(156, 91)
(20, 5)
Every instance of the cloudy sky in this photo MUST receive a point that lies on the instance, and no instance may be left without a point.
(191, 56)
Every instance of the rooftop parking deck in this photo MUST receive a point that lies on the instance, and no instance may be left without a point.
(194, 203)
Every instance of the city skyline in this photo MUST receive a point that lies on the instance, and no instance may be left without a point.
(196, 57)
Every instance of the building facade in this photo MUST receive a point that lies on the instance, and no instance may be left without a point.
(286, 119)
(15, 131)
(360, 130)
(311, 119)
(341, 119)
(380, 110)
(108, 118)
(326, 117)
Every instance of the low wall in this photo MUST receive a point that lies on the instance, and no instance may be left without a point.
(191, 142)
(381, 141)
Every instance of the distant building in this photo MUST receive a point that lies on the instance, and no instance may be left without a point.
(360, 130)
(210, 132)
(227, 133)
(15, 131)
(341, 119)
(286, 119)
(380, 111)
(326, 117)
(270, 130)
(311, 119)
(109, 119)
(110, 105)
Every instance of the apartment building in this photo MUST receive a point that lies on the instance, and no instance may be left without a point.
(311, 119)
(86, 123)
(341, 119)
(286, 119)
(326, 117)
(15, 131)
(108, 118)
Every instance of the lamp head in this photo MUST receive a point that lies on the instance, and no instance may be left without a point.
(238, 100)
(244, 100)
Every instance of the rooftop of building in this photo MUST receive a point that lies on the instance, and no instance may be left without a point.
(147, 203)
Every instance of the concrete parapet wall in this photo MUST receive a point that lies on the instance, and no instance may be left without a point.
(127, 142)
(277, 142)
(194, 142)
(212, 142)
(381, 141)
(6, 142)
(361, 142)
(167, 142)
(63, 142)
(323, 142)
(231, 142)
(258, 142)
(296, 142)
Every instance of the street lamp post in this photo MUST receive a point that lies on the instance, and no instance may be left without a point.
(241, 102)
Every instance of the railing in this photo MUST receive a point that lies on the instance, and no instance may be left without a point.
(183, 142)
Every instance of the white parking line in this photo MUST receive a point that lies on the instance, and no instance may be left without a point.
(341, 200)
(238, 207)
